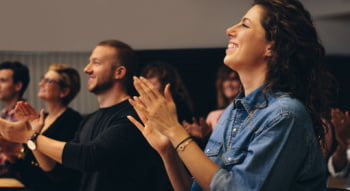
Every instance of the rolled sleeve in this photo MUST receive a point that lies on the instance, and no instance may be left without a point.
(341, 173)
(220, 179)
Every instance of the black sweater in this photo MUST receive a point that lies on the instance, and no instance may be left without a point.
(112, 154)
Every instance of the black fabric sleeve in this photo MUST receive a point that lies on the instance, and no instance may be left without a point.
(115, 145)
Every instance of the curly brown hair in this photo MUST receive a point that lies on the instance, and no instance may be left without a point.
(297, 63)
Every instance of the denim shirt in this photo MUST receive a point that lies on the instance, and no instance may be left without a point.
(266, 145)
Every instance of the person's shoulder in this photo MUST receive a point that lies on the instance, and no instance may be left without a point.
(118, 111)
(289, 103)
(73, 113)
(286, 105)
(125, 108)
(216, 112)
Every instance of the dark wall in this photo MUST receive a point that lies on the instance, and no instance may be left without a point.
(339, 66)
(198, 69)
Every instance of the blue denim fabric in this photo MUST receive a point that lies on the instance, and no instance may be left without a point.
(270, 148)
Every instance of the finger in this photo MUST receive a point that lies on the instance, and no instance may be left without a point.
(140, 110)
(18, 103)
(139, 101)
(17, 106)
(136, 123)
(153, 92)
(190, 131)
(30, 109)
(150, 88)
(23, 109)
(193, 119)
(335, 114)
(202, 120)
(140, 89)
(18, 109)
(137, 104)
(186, 125)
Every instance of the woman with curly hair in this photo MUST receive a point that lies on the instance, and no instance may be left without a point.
(268, 138)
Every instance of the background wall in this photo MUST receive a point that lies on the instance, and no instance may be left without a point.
(188, 33)
(66, 25)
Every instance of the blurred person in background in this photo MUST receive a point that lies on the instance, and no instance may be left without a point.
(160, 73)
(228, 86)
(14, 80)
(57, 88)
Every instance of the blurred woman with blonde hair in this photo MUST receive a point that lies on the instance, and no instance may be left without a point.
(58, 87)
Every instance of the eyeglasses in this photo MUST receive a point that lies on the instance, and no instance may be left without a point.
(48, 81)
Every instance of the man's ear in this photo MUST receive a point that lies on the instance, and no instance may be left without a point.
(120, 72)
(18, 86)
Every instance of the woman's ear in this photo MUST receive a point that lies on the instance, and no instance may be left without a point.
(64, 92)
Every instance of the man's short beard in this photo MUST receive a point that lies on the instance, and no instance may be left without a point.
(100, 88)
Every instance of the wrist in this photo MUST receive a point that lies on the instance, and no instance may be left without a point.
(31, 143)
(168, 152)
(177, 135)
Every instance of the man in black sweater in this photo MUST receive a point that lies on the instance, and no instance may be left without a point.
(109, 150)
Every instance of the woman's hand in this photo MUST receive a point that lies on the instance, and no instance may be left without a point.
(341, 122)
(25, 112)
(157, 140)
(160, 110)
(197, 129)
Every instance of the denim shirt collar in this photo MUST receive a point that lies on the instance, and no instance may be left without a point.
(253, 100)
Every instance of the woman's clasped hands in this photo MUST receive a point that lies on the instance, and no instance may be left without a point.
(21, 130)
(157, 113)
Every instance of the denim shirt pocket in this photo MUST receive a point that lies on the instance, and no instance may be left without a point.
(213, 149)
(234, 156)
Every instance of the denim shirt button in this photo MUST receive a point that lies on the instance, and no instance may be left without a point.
(229, 159)
(234, 130)
(207, 150)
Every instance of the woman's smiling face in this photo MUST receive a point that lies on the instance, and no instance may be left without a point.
(247, 46)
